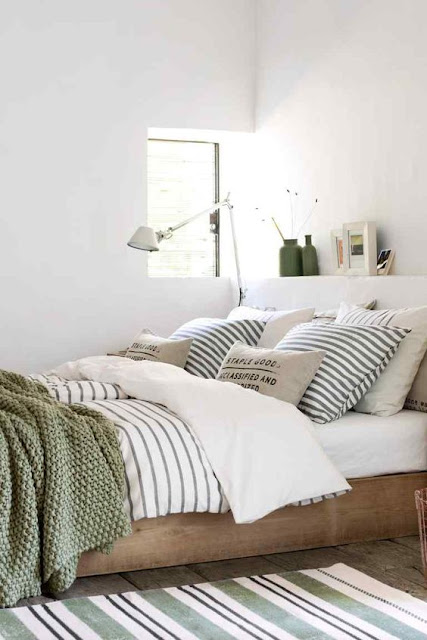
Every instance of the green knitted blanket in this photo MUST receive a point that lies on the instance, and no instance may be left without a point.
(61, 488)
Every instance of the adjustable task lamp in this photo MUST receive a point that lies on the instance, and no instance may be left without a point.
(146, 239)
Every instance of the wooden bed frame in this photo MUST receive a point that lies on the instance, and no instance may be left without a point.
(377, 508)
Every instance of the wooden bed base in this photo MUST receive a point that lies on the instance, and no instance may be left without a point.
(377, 508)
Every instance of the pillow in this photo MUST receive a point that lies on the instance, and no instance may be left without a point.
(283, 375)
(355, 357)
(147, 346)
(330, 315)
(417, 397)
(212, 339)
(388, 395)
(278, 322)
(252, 313)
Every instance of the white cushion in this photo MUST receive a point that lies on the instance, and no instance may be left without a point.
(387, 396)
(278, 323)
(330, 315)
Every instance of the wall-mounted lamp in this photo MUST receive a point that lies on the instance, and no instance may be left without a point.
(146, 239)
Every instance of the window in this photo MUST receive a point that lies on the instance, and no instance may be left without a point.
(183, 180)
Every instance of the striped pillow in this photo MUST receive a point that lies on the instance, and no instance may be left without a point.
(389, 393)
(212, 340)
(355, 357)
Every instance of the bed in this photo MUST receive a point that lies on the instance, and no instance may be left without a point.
(179, 511)
(202, 537)
(385, 458)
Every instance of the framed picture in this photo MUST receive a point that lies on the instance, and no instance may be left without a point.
(360, 248)
(337, 251)
(385, 259)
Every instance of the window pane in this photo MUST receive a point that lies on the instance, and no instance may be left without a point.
(181, 182)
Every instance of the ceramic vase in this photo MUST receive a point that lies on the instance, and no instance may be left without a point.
(290, 259)
(310, 265)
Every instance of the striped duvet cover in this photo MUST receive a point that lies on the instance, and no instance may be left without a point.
(187, 442)
(166, 469)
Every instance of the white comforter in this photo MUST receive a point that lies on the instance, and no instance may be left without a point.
(264, 452)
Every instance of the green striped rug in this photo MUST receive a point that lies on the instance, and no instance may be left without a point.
(338, 602)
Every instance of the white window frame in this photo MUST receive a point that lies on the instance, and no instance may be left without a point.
(214, 217)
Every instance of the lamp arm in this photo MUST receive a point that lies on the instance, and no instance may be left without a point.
(165, 235)
(162, 235)
(242, 292)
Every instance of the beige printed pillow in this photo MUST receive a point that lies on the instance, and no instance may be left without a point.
(282, 375)
(417, 396)
(147, 346)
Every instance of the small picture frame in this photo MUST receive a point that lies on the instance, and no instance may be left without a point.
(337, 251)
(384, 261)
(360, 249)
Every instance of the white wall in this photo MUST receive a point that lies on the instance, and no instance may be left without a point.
(326, 292)
(341, 115)
(80, 83)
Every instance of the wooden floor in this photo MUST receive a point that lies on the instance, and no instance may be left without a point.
(395, 562)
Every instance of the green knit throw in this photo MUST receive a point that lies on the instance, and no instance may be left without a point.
(61, 488)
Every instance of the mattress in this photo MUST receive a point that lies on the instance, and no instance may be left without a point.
(365, 445)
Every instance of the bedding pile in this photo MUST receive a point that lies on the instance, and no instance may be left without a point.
(263, 451)
(61, 488)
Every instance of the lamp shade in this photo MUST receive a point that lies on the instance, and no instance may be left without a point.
(144, 238)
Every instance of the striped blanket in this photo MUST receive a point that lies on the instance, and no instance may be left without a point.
(166, 469)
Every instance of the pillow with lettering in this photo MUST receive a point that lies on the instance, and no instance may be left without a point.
(284, 375)
(147, 346)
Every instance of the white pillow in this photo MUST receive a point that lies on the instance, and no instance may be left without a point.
(387, 396)
(330, 315)
(278, 322)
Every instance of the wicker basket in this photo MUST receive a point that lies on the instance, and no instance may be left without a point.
(421, 502)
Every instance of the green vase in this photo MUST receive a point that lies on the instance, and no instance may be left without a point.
(310, 265)
(290, 259)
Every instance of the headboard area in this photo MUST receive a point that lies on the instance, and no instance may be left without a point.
(325, 292)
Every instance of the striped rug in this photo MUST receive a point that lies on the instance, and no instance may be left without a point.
(337, 602)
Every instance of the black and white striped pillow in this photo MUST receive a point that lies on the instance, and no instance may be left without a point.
(355, 358)
(388, 395)
(212, 340)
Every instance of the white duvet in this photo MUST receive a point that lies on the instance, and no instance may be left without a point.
(263, 451)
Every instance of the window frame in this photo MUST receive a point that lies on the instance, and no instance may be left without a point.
(215, 216)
